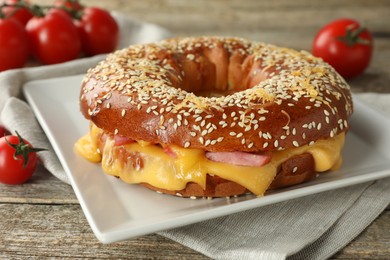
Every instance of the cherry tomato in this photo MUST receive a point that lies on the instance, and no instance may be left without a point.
(345, 45)
(98, 30)
(22, 14)
(14, 44)
(71, 5)
(3, 131)
(18, 159)
(54, 37)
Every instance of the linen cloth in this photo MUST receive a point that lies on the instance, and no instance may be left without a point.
(312, 227)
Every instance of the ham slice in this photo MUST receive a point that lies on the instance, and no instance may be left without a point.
(122, 140)
(240, 158)
(168, 150)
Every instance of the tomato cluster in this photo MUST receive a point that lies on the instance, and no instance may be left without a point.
(53, 34)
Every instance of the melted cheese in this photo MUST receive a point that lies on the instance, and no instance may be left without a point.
(88, 149)
(166, 172)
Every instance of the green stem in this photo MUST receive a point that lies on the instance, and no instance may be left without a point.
(352, 37)
(23, 149)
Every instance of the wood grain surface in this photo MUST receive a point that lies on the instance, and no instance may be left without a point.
(43, 219)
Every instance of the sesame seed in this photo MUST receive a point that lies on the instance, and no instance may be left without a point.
(326, 112)
(294, 131)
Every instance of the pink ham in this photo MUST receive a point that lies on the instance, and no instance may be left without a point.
(122, 140)
(240, 158)
(168, 150)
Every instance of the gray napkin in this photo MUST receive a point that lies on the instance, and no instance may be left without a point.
(312, 227)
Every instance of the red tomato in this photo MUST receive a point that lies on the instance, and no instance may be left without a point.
(54, 37)
(22, 14)
(18, 159)
(3, 131)
(14, 44)
(345, 45)
(98, 30)
(72, 5)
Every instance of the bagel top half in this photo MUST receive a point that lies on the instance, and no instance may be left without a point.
(217, 94)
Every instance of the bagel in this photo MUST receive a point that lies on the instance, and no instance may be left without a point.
(214, 116)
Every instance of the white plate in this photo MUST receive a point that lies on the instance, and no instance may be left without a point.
(117, 211)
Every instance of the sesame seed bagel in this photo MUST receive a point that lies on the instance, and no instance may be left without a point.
(275, 116)
(271, 98)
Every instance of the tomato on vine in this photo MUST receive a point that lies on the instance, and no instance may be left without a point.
(54, 37)
(14, 44)
(18, 159)
(345, 45)
(55, 33)
(99, 32)
(17, 9)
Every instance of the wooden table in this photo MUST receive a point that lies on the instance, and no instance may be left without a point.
(42, 218)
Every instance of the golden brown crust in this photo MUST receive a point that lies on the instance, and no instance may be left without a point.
(282, 98)
(297, 169)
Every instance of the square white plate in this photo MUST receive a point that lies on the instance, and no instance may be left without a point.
(117, 211)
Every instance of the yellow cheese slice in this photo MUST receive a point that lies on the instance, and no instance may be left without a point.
(166, 172)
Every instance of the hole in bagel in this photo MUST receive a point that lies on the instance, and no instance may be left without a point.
(215, 73)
